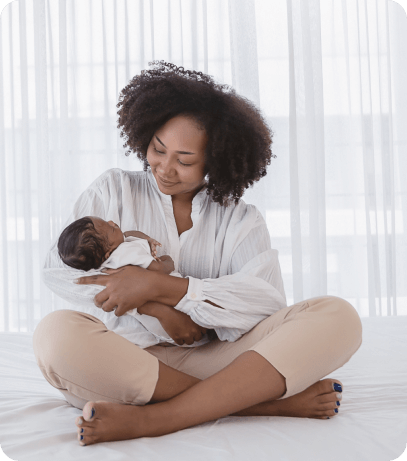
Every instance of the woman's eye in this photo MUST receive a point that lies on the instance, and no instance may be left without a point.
(184, 164)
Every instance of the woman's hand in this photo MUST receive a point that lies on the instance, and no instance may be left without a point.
(127, 288)
(167, 264)
(179, 326)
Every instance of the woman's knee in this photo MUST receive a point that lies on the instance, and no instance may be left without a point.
(58, 333)
(345, 318)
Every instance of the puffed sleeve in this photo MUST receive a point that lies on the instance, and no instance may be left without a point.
(58, 276)
(252, 291)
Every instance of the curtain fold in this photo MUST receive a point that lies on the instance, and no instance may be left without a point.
(329, 77)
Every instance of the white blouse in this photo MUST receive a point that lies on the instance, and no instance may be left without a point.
(226, 255)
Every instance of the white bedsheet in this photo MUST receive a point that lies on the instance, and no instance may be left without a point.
(36, 423)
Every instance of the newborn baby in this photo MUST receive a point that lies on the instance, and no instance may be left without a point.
(92, 243)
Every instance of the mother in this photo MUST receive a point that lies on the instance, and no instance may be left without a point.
(202, 146)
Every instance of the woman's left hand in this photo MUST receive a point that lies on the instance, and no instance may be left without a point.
(127, 288)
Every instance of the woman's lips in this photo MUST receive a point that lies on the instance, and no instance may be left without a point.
(166, 183)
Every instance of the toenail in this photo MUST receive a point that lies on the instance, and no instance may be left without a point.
(339, 396)
(336, 411)
(338, 403)
(81, 437)
(82, 427)
(93, 413)
(337, 387)
(79, 420)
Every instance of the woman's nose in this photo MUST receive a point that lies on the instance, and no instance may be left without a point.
(166, 169)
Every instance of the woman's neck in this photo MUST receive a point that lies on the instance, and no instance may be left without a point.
(186, 198)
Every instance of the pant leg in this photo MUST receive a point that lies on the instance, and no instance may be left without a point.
(317, 340)
(85, 361)
(304, 342)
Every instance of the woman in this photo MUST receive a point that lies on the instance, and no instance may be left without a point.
(202, 145)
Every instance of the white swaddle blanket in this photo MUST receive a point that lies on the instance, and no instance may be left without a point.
(136, 251)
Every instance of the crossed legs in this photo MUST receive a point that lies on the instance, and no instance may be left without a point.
(249, 384)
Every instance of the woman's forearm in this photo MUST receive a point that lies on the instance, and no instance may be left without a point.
(153, 309)
(154, 266)
(169, 290)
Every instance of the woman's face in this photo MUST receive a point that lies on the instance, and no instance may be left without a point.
(176, 155)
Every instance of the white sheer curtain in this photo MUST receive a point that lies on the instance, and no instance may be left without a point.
(329, 76)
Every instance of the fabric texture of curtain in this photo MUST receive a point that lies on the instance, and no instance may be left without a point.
(329, 76)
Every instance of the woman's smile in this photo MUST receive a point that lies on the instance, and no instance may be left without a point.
(166, 183)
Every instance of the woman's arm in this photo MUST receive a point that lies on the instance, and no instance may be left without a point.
(170, 290)
(179, 326)
(59, 277)
(233, 304)
(164, 265)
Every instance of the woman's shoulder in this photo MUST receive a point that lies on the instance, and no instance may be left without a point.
(242, 209)
(118, 176)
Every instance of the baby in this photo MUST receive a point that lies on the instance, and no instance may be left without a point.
(93, 243)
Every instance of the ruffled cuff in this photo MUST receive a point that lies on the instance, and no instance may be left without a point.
(192, 296)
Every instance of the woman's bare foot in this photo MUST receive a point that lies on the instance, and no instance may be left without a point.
(113, 421)
(318, 401)
(109, 422)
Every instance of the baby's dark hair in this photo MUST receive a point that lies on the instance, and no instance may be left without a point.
(239, 139)
(81, 247)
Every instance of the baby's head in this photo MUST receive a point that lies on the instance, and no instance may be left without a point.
(88, 242)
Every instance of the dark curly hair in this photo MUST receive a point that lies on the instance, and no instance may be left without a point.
(239, 139)
(81, 247)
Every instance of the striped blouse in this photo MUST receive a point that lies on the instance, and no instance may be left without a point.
(226, 255)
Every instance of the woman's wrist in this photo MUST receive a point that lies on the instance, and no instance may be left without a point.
(152, 308)
(169, 290)
(154, 266)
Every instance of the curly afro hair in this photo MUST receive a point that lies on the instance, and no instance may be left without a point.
(239, 140)
(81, 247)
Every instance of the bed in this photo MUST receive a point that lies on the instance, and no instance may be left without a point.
(36, 423)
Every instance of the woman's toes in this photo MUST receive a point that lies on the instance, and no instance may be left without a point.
(332, 397)
(86, 439)
(328, 385)
(89, 411)
(81, 423)
(337, 386)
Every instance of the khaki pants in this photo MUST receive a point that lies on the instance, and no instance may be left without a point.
(79, 356)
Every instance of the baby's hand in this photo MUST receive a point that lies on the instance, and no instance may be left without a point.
(153, 245)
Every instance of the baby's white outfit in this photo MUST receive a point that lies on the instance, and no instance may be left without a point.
(136, 251)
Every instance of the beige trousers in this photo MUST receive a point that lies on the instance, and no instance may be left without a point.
(79, 356)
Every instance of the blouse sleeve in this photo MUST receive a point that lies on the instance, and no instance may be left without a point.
(58, 276)
(253, 291)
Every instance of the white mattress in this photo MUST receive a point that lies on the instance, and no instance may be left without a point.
(36, 423)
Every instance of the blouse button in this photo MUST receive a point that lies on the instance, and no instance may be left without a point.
(193, 295)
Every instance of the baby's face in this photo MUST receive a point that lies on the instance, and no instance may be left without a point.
(111, 231)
